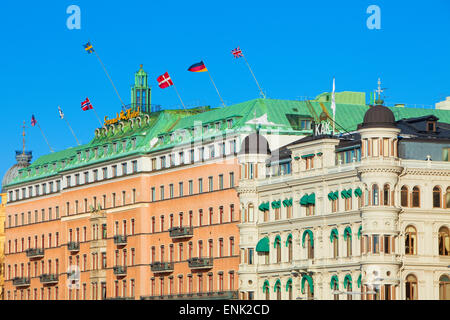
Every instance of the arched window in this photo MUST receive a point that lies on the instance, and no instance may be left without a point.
(410, 240)
(444, 242)
(444, 287)
(348, 240)
(404, 196)
(289, 246)
(436, 197)
(335, 241)
(375, 195)
(277, 245)
(416, 197)
(309, 241)
(386, 194)
(289, 288)
(266, 289)
(277, 289)
(411, 287)
(447, 198)
(335, 287)
(250, 212)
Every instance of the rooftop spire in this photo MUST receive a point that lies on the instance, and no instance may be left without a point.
(23, 137)
(379, 101)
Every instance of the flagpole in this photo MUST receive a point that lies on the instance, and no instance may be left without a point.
(248, 65)
(100, 121)
(44, 136)
(179, 97)
(73, 133)
(107, 74)
(333, 105)
(215, 87)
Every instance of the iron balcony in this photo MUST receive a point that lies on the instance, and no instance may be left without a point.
(120, 270)
(120, 240)
(73, 246)
(35, 253)
(200, 263)
(49, 278)
(181, 232)
(21, 281)
(212, 295)
(161, 267)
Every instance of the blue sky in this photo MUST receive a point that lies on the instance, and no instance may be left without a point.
(294, 47)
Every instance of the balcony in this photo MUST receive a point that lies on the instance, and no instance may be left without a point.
(73, 246)
(162, 267)
(200, 263)
(49, 278)
(181, 232)
(119, 298)
(35, 253)
(120, 271)
(21, 282)
(213, 295)
(120, 240)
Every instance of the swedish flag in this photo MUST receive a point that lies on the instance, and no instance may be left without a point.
(88, 47)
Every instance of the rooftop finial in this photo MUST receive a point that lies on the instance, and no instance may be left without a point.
(379, 101)
(141, 65)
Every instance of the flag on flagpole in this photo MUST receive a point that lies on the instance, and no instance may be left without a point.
(88, 47)
(198, 67)
(33, 120)
(333, 99)
(61, 114)
(86, 105)
(237, 52)
(164, 81)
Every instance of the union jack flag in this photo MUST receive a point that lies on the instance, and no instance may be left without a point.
(86, 105)
(237, 52)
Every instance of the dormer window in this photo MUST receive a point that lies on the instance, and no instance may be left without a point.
(229, 123)
(217, 125)
(431, 126)
(87, 154)
(96, 152)
(105, 149)
(124, 144)
(205, 128)
(161, 139)
(115, 146)
(78, 157)
(172, 137)
(133, 142)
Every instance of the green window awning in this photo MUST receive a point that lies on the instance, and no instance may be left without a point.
(304, 200)
(347, 232)
(312, 198)
(277, 285)
(287, 202)
(264, 206)
(359, 281)
(308, 155)
(334, 234)
(331, 196)
(334, 280)
(310, 282)
(358, 192)
(289, 237)
(344, 194)
(265, 286)
(359, 231)
(263, 245)
(319, 153)
(349, 192)
(276, 204)
(348, 281)
(311, 237)
(288, 284)
(277, 241)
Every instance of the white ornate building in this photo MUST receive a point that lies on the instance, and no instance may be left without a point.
(365, 215)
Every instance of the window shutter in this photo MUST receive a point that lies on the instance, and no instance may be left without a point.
(393, 244)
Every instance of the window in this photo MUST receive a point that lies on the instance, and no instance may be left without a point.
(444, 287)
(220, 181)
(404, 196)
(444, 242)
(278, 247)
(436, 197)
(411, 287)
(410, 240)
(386, 194)
(114, 171)
(447, 198)
(232, 180)
(376, 244)
(416, 197)
(375, 195)
(180, 189)
(191, 187)
(200, 185)
(171, 191)
(153, 194)
(124, 168)
(161, 189)
(211, 184)
(135, 166)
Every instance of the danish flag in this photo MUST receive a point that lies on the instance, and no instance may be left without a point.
(164, 81)
(237, 52)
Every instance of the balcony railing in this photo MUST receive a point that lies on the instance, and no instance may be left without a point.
(73, 246)
(49, 278)
(181, 232)
(35, 253)
(120, 270)
(161, 267)
(21, 282)
(120, 240)
(213, 295)
(200, 263)
(119, 298)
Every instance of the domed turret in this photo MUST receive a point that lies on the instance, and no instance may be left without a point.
(378, 117)
(255, 144)
(23, 161)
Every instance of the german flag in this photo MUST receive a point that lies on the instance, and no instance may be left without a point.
(198, 67)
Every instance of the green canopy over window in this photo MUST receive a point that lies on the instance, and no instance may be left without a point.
(349, 192)
(331, 196)
(277, 241)
(344, 194)
(347, 232)
(359, 232)
(319, 153)
(310, 282)
(311, 238)
(263, 245)
(304, 200)
(348, 281)
(288, 284)
(276, 204)
(264, 206)
(312, 198)
(287, 202)
(289, 237)
(308, 155)
(359, 281)
(277, 285)
(334, 280)
(265, 286)
(358, 192)
(334, 234)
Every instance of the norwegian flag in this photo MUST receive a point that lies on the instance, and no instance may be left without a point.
(86, 105)
(237, 52)
(33, 120)
(164, 81)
